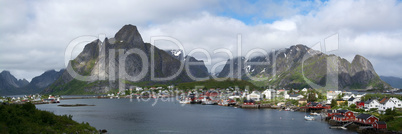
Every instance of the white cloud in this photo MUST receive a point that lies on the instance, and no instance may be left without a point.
(35, 33)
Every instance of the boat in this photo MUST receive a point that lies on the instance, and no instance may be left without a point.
(209, 102)
(185, 101)
(287, 109)
(308, 118)
(315, 114)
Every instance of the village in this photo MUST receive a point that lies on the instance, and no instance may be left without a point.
(342, 109)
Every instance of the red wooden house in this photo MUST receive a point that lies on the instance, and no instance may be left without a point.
(315, 105)
(344, 116)
(248, 102)
(360, 104)
(366, 119)
(380, 125)
(333, 112)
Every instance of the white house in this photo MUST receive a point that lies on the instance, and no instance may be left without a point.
(353, 100)
(398, 103)
(295, 96)
(389, 103)
(304, 90)
(254, 96)
(286, 95)
(359, 96)
(332, 95)
(269, 94)
(372, 104)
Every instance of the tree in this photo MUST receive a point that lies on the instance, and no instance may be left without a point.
(311, 97)
(345, 103)
(333, 103)
(390, 112)
(373, 109)
(303, 104)
(339, 96)
(353, 106)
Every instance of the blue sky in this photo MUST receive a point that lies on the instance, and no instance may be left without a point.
(35, 34)
(261, 8)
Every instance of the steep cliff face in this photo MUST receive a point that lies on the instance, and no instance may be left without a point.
(198, 69)
(234, 68)
(9, 84)
(127, 51)
(297, 66)
(42, 81)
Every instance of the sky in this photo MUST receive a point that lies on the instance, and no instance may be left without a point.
(34, 35)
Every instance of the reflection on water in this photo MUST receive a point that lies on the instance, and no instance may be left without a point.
(125, 116)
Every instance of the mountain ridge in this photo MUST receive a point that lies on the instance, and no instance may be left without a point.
(293, 70)
(395, 82)
(9, 85)
(102, 60)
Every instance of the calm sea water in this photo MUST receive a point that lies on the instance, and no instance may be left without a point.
(125, 116)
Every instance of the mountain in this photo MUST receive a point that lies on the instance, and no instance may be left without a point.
(100, 64)
(9, 84)
(238, 68)
(42, 81)
(285, 68)
(393, 81)
(176, 53)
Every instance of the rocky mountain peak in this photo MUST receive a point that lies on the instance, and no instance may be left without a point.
(94, 62)
(5, 73)
(362, 64)
(289, 66)
(129, 33)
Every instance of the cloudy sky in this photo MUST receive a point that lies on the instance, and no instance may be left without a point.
(34, 34)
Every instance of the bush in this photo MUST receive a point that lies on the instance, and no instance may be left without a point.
(353, 106)
(26, 118)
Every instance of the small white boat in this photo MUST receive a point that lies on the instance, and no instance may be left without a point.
(315, 114)
(308, 118)
(208, 103)
(185, 101)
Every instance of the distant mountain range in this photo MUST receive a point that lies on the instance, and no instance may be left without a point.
(393, 81)
(101, 60)
(9, 85)
(288, 70)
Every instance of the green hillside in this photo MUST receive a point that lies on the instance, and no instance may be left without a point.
(25, 118)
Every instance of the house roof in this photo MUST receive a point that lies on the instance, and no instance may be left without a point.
(381, 122)
(342, 111)
(294, 95)
(314, 103)
(351, 99)
(363, 116)
(384, 100)
(339, 116)
(368, 101)
(302, 99)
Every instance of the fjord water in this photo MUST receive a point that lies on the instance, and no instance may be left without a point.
(157, 116)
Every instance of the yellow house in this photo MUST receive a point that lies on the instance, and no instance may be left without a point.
(340, 101)
(301, 101)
